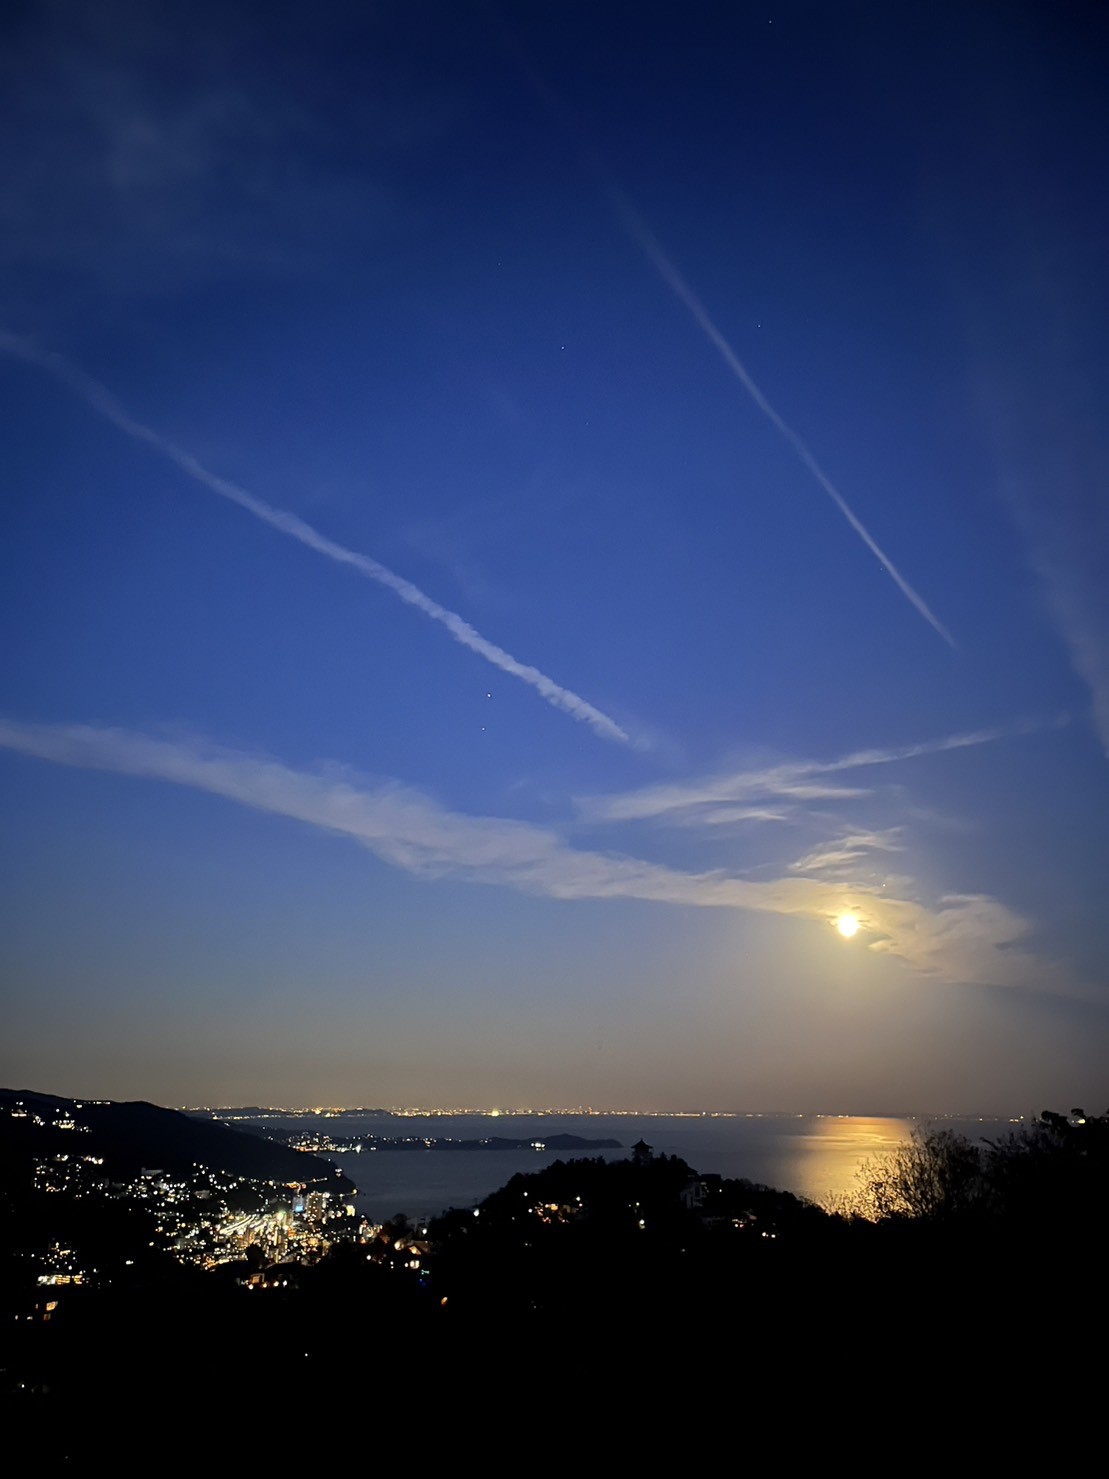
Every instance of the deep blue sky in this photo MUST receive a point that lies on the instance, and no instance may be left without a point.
(578, 319)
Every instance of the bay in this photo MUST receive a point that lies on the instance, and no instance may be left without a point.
(814, 1156)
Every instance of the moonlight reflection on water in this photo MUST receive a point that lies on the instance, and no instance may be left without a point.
(814, 1156)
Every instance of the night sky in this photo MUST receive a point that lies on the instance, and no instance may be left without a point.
(520, 519)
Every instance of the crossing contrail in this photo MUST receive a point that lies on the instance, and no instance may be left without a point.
(102, 401)
(649, 244)
(652, 249)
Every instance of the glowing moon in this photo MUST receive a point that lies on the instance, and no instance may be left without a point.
(848, 925)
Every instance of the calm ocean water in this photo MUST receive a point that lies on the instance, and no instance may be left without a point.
(813, 1155)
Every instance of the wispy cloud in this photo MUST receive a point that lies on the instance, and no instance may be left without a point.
(835, 856)
(1054, 487)
(178, 153)
(727, 816)
(711, 799)
(1025, 280)
(1085, 631)
(964, 938)
(102, 401)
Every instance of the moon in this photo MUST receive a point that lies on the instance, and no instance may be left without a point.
(848, 925)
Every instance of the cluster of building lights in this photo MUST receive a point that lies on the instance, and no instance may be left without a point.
(233, 1114)
(204, 1216)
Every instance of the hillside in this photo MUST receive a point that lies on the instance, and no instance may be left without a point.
(130, 1135)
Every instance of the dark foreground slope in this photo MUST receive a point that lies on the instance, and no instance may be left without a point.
(133, 1135)
(601, 1314)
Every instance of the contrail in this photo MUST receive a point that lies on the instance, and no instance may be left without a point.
(652, 249)
(102, 401)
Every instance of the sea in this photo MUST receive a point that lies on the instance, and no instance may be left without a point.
(814, 1156)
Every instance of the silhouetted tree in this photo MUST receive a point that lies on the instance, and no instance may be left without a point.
(935, 1176)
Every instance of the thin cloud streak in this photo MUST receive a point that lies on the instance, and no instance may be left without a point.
(102, 401)
(1063, 518)
(963, 939)
(652, 249)
(847, 850)
(698, 802)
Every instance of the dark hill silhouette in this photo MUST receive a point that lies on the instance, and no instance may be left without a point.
(131, 1135)
(644, 1286)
